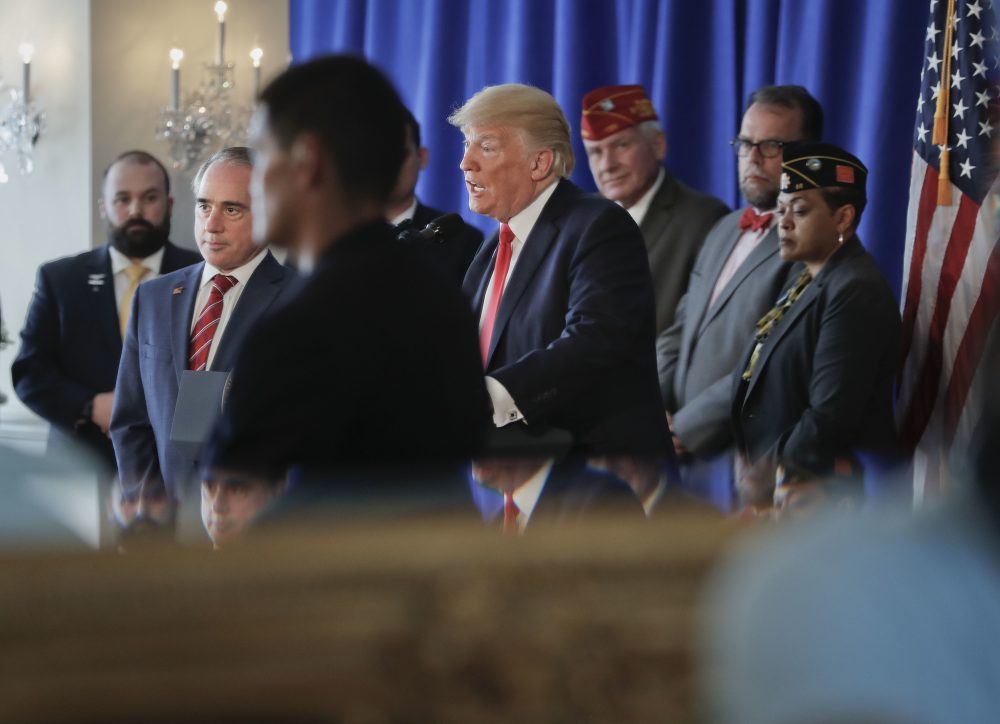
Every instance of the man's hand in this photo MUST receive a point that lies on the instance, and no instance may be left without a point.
(679, 448)
(100, 413)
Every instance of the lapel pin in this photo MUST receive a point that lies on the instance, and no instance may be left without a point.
(178, 290)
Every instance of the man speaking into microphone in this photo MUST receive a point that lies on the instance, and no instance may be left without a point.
(562, 292)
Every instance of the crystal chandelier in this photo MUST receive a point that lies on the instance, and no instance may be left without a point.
(210, 118)
(21, 122)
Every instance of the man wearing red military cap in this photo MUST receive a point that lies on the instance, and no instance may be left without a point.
(626, 147)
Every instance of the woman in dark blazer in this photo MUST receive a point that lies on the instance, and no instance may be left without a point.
(815, 388)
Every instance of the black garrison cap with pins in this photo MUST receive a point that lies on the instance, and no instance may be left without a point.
(814, 165)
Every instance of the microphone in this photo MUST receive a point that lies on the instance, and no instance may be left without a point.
(437, 231)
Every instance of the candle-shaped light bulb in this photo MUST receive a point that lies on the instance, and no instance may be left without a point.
(176, 56)
(26, 50)
(220, 13)
(255, 55)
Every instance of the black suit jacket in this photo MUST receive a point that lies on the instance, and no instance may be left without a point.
(674, 229)
(71, 343)
(451, 256)
(573, 341)
(823, 385)
(155, 356)
(373, 361)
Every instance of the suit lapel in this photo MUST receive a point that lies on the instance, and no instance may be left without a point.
(535, 248)
(100, 283)
(182, 314)
(658, 214)
(792, 316)
(703, 293)
(262, 287)
(489, 251)
(767, 248)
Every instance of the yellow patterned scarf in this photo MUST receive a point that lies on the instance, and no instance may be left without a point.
(767, 323)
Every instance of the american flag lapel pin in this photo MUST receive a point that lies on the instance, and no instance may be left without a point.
(178, 290)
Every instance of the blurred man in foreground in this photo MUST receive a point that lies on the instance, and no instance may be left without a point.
(374, 361)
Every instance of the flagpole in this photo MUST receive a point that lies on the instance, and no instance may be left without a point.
(940, 135)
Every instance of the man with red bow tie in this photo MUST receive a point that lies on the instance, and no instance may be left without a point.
(736, 278)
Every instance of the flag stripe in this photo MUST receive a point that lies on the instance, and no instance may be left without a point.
(925, 213)
(929, 380)
(971, 349)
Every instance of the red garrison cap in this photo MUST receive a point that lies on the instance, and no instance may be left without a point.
(613, 108)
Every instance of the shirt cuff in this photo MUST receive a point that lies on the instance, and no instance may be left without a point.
(504, 409)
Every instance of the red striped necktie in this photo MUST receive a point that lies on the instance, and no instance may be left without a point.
(208, 321)
(499, 279)
(510, 513)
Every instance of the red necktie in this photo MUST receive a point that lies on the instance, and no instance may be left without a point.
(208, 321)
(510, 511)
(754, 221)
(499, 279)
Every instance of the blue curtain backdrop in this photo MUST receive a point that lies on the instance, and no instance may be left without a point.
(698, 61)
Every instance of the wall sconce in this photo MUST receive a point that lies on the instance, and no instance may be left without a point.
(21, 122)
(209, 118)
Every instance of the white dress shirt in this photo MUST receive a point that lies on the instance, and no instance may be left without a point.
(229, 300)
(638, 210)
(744, 247)
(504, 408)
(527, 495)
(408, 214)
(120, 262)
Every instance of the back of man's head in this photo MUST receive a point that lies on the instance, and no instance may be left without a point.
(355, 113)
(793, 97)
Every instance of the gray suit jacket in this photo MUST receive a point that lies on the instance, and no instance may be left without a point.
(674, 230)
(696, 356)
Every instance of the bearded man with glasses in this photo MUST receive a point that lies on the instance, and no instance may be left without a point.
(736, 278)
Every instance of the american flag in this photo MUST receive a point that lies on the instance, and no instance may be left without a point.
(951, 268)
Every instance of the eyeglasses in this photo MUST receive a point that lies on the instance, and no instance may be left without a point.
(767, 149)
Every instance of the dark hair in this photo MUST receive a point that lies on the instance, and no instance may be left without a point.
(411, 123)
(141, 157)
(793, 96)
(235, 155)
(837, 196)
(354, 111)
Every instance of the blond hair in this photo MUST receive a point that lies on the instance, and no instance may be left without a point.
(530, 111)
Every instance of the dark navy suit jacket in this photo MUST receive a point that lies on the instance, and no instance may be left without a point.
(822, 388)
(451, 255)
(156, 353)
(71, 344)
(573, 341)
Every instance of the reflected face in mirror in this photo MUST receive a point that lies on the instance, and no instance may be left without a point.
(230, 503)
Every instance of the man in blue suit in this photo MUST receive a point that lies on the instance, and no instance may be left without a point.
(194, 318)
(563, 292)
(72, 337)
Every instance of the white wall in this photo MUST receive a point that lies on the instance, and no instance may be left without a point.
(101, 73)
(47, 214)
